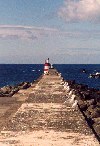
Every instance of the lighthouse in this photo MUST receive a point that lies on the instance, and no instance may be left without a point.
(47, 66)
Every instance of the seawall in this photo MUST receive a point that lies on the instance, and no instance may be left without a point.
(46, 115)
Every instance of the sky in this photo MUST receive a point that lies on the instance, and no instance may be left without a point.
(66, 31)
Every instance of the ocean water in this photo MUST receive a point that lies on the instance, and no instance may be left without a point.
(12, 74)
(74, 72)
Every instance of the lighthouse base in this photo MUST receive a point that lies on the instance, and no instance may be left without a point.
(46, 72)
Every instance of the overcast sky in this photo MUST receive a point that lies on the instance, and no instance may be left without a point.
(66, 31)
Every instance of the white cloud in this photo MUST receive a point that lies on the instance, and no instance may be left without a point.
(25, 32)
(13, 32)
(80, 10)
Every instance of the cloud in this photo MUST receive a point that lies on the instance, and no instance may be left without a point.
(80, 10)
(15, 32)
(25, 32)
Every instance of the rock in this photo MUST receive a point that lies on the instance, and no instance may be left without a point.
(70, 82)
(24, 85)
(91, 108)
(98, 92)
(82, 87)
(90, 121)
(98, 105)
(15, 90)
(86, 95)
(91, 102)
(20, 84)
(95, 113)
(96, 125)
(97, 120)
(93, 90)
(6, 89)
(98, 98)
(88, 113)
(78, 95)
(82, 105)
(1, 93)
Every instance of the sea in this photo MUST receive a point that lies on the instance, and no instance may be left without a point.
(13, 74)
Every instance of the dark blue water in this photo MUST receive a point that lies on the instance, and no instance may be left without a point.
(13, 74)
(74, 72)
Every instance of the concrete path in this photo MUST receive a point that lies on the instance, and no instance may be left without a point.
(45, 119)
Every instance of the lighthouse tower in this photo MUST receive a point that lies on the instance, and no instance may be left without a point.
(47, 66)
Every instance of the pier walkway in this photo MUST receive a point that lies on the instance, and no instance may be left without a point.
(45, 119)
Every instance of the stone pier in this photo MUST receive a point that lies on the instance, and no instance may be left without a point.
(46, 118)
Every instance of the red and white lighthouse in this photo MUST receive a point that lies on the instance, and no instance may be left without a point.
(46, 66)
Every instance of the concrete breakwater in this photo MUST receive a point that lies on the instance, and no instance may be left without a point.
(88, 101)
(47, 114)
